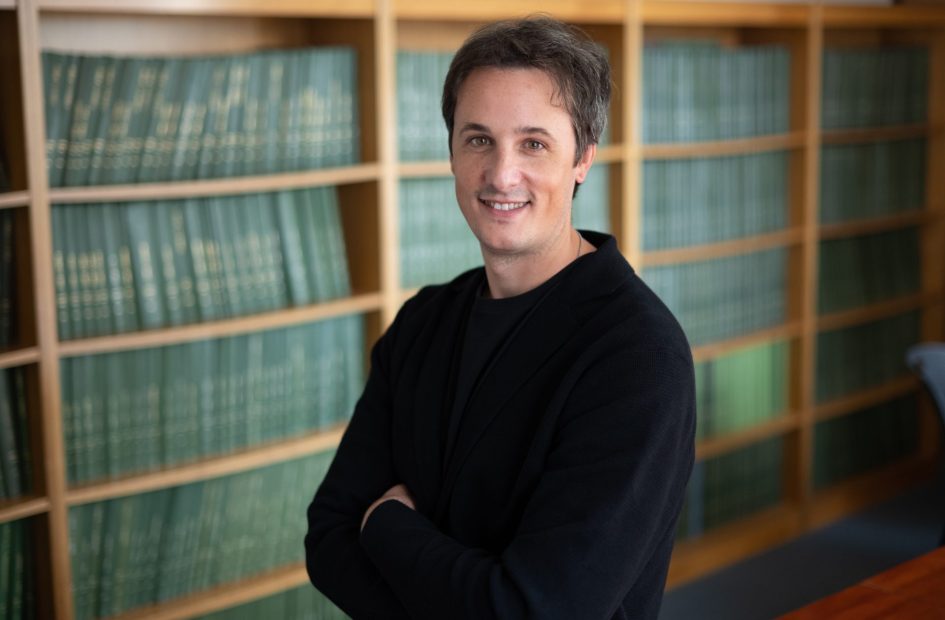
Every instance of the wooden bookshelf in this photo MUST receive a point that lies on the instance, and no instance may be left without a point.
(878, 134)
(884, 223)
(11, 510)
(733, 542)
(368, 193)
(742, 146)
(782, 238)
(12, 200)
(877, 311)
(222, 597)
(215, 187)
(206, 469)
(716, 446)
(717, 349)
(864, 398)
(360, 304)
(19, 357)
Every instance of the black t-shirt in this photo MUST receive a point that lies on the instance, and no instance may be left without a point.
(489, 327)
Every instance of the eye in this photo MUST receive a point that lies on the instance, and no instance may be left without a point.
(534, 145)
(479, 141)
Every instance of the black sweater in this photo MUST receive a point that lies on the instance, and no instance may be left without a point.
(556, 496)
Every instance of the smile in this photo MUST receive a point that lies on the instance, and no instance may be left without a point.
(503, 206)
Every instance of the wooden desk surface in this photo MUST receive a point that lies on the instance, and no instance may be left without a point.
(914, 590)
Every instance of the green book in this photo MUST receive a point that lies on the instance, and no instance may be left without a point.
(146, 265)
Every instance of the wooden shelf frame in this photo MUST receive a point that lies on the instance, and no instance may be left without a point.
(223, 8)
(874, 134)
(786, 331)
(712, 447)
(22, 508)
(359, 304)
(207, 469)
(877, 311)
(223, 596)
(13, 200)
(896, 388)
(877, 224)
(171, 190)
(802, 25)
(746, 245)
(720, 148)
(13, 358)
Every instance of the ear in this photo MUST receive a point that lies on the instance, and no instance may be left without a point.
(584, 164)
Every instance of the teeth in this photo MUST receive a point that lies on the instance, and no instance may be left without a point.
(505, 206)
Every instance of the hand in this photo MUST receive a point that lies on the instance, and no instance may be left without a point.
(397, 492)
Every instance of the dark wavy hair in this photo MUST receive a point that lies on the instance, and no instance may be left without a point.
(577, 65)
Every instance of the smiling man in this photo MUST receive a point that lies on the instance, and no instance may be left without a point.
(524, 440)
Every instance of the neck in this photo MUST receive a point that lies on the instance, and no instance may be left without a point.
(508, 276)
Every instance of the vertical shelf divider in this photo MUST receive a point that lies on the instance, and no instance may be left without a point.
(806, 378)
(54, 470)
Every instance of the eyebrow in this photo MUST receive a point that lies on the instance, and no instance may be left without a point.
(521, 130)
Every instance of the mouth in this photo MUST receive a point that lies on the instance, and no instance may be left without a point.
(499, 205)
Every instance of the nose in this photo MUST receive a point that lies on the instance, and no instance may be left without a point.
(504, 171)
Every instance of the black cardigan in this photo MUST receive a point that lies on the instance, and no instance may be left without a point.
(560, 490)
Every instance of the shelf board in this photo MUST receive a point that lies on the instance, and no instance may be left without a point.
(245, 460)
(900, 386)
(717, 446)
(881, 223)
(368, 302)
(838, 16)
(21, 508)
(732, 542)
(740, 146)
(874, 134)
(19, 357)
(706, 352)
(609, 154)
(421, 169)
(874, 312)
(11, 200)
(597, 12)
(792, 236)
(682, 13)
(222, 597)
(7, 4)
(215, 187)
(274, 8)
(873, 487)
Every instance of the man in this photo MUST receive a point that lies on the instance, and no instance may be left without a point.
(526, 433)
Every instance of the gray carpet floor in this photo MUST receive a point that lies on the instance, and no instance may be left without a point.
(817, 564)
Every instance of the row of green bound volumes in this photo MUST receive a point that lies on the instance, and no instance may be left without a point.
(129, 266)
(749, 386)
(158, 546)
(15, 474)
(692, 91)
(132, 120)
(17, 575)
(727, 487)
(147, 409)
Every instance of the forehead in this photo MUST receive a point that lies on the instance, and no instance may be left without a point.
(497, 94)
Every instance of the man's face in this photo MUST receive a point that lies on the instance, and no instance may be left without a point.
(513, 159)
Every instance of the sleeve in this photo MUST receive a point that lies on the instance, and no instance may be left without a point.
(601, 515)
(361, 471)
